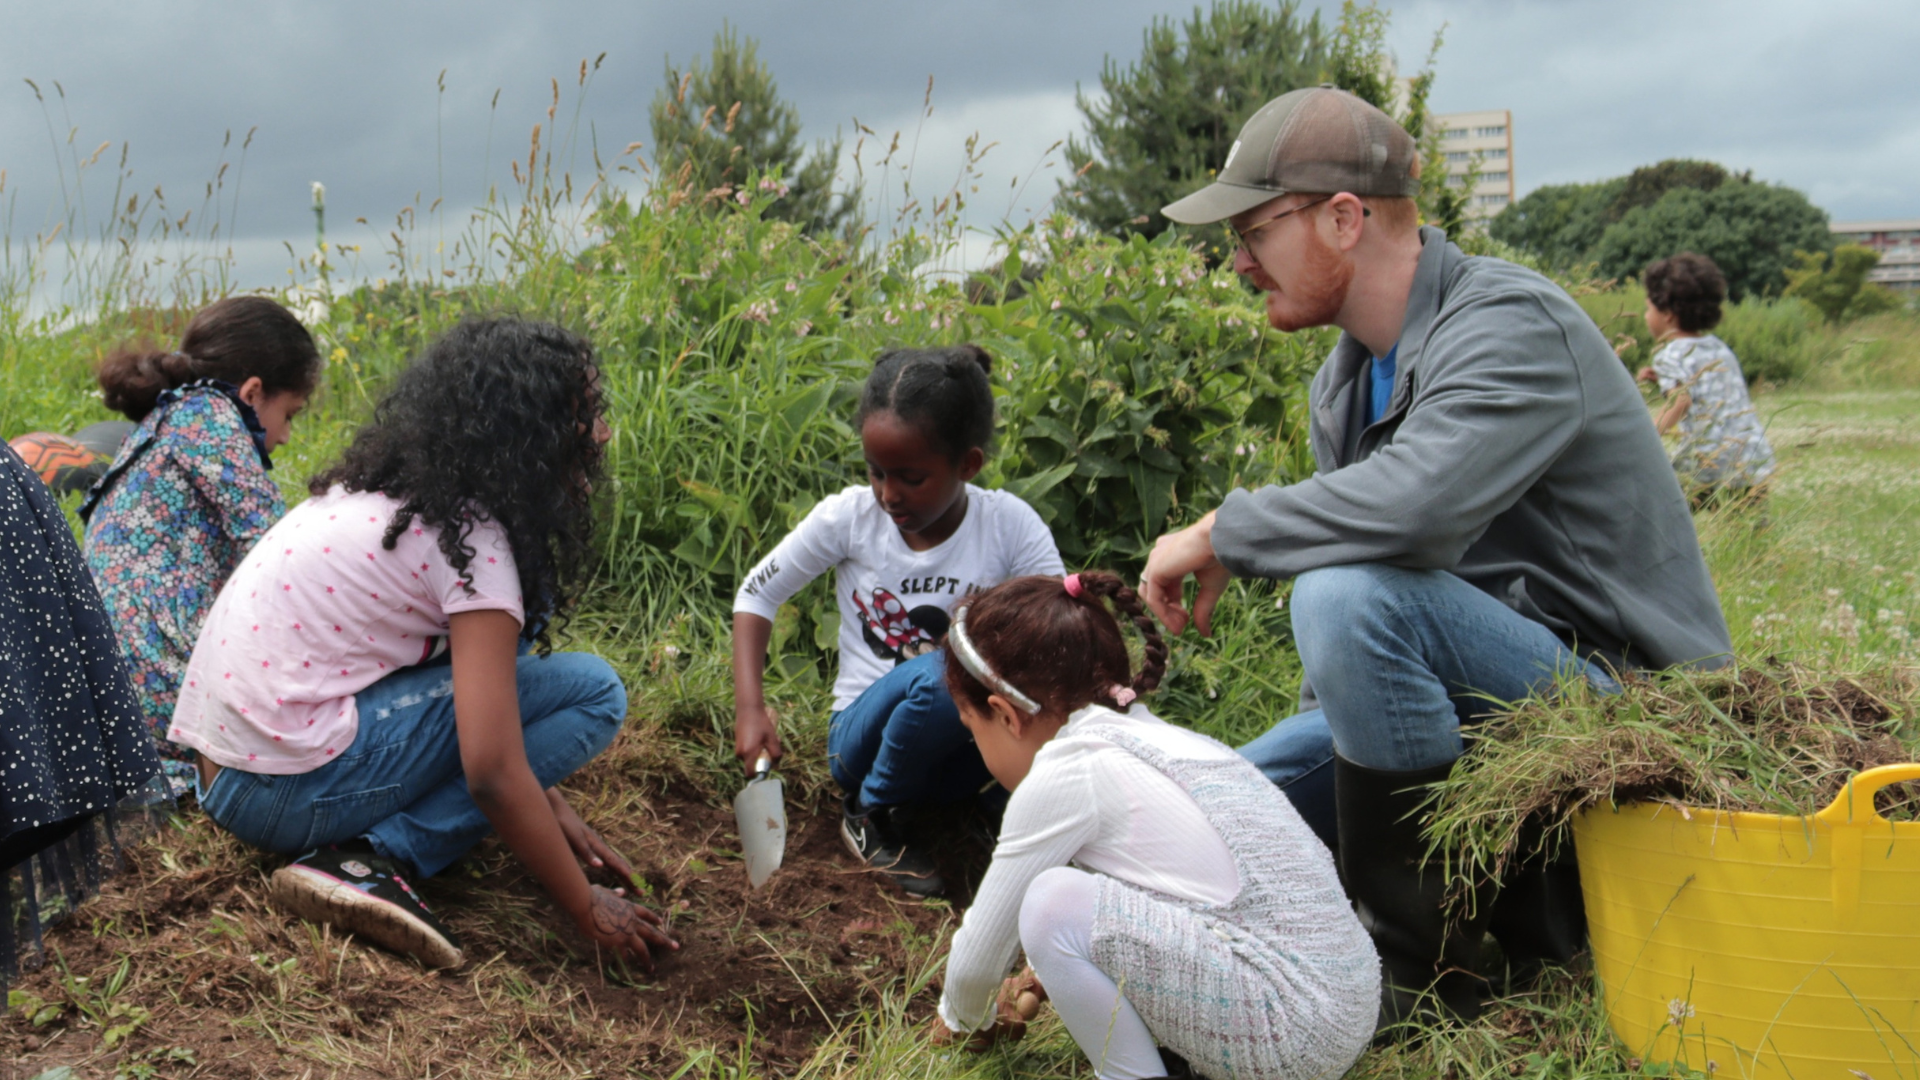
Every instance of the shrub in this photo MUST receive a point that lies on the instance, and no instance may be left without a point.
(1776, 340)
(1837, 285)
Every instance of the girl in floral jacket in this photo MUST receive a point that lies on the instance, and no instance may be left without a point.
(189, 492)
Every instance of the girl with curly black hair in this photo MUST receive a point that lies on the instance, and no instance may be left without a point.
(363, 691)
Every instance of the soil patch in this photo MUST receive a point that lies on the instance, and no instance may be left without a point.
(222, 985)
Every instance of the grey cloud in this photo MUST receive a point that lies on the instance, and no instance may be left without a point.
(1813, 95)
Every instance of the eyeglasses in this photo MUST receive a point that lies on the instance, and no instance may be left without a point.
(1246, 235)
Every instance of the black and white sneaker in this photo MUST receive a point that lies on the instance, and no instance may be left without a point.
(873, 839)
(351, 887)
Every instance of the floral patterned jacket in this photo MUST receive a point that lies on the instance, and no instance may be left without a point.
(180, 507)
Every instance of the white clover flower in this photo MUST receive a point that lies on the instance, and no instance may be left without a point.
(1678, 1012)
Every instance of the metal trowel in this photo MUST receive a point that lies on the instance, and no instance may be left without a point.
(760, 810)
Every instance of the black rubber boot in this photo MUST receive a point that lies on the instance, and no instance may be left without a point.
(1428, 948)
(1540, 917)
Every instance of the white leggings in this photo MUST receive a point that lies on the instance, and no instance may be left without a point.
(1056, 929)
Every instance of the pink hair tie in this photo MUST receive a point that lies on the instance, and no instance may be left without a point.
(1122, 695)
(1073, 586)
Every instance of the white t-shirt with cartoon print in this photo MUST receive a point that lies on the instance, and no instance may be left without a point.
(894, 601)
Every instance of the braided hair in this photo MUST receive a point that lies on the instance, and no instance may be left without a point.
(1064, 651)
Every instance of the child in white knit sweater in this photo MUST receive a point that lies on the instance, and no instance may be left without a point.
(1199, 912)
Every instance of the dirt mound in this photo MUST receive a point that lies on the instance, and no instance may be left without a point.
(184, 951)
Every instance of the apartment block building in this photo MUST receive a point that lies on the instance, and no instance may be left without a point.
(1897, 241)
(1485, 138)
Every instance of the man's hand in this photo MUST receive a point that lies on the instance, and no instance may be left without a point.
(754, 733)
(1176, 557)
(586, 844)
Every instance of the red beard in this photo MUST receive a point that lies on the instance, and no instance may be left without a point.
(1317, 299)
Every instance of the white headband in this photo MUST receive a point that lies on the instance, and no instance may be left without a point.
(976, 664)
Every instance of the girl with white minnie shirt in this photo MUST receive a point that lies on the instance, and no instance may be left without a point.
(903, 550)
(455, 528)
(1165, 892)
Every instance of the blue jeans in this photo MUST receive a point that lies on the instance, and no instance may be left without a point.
(400, 785)
(1400, 660)
(901, 740)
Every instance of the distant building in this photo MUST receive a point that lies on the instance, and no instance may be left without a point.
(1898, 243)
(1487, 138)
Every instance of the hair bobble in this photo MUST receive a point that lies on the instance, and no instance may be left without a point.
(1122, 696)
(1074, 588)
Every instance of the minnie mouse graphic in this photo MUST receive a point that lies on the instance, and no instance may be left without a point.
(896, 633)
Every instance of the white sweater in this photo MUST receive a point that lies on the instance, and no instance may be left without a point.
(1090, 803)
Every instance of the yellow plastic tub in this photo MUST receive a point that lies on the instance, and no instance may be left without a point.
(1756, 945)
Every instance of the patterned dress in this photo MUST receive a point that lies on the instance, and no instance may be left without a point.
(182, 504)
(1722, 443)
(77, 766)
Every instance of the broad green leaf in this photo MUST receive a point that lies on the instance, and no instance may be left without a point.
(1030, 489)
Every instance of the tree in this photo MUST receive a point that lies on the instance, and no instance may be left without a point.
(1164, 124)
(1751, 230)
(713, 126)
(1558, 224)
(1841, 291)
(1646, 185)
(1360, 63)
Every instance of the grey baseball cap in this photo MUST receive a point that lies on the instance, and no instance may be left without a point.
(1321, 141)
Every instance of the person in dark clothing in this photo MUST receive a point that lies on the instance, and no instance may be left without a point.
(77, 765)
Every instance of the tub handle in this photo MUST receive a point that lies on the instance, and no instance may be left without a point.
(1848, 817)
(1854, 804)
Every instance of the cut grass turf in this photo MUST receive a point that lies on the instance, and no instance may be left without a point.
(824, 974)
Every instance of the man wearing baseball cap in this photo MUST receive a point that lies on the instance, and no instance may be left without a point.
(1491, 510)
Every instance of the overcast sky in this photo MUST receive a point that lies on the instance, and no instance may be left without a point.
(1819, 96)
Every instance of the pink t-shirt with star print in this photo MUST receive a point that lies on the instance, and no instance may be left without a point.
(317, 612)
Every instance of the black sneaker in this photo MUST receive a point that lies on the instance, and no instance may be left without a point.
(351, 887)
(871, 836)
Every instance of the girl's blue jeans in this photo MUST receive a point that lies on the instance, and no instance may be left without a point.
(400, 783)
(1399, 660)
(901, 741)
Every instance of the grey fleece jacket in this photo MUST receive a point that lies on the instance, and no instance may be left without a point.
(1515, 452)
